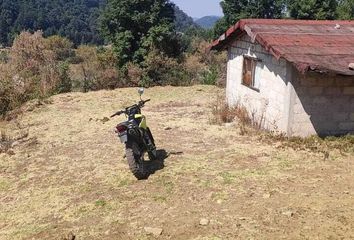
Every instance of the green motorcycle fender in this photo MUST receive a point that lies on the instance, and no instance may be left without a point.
(143, 123)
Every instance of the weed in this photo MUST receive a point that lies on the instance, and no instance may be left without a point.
(223, 113)
(228, 177)
(5, 142)
(160, 198)
(100, 203)
(344, 144)
(4, 185)
(210, 76)
(169, 186)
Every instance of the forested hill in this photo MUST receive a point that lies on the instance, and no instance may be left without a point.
(183, 21)
(76, 20)
(207, 21)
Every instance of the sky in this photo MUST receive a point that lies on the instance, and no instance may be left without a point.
(199, 8)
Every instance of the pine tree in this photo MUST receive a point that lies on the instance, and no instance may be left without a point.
(345, 9)
(234, 10)
(313, 9)
(135, 27)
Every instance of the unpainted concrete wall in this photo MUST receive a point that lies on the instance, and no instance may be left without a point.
(269, 105)
(323, 105)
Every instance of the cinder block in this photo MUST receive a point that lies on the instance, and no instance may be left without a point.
(275, 61)
(346, 126)
(259, 48)
(352, 116)
(315, 90)
(325, 81)
(282, 62)
(308, 82)
(348, 91)
(333, 91)
(340, 117)
(320, 100)
(344, 82)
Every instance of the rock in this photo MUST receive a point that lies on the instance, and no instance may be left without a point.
(14, 144)
(204, 222)
(167, 128)
(176, 153)
(153, 231)
(230, 125)
(104, 120)
(278, 145)
(288, 213)
(351, 66)
(266, 195)
(70, 236)
(10, 152)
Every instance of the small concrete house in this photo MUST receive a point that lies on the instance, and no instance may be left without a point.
(293, 76)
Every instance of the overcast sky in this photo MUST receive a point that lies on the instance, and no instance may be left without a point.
(199, 8)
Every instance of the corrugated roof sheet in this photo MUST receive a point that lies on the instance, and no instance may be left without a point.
(323, 46)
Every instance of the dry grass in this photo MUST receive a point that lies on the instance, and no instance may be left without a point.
(222, 113)
(75, 179)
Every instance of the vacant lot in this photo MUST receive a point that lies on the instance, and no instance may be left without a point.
(67, 173)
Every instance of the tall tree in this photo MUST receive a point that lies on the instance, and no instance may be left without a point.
(8, 16)
(76, 20)
(137, 26)
(234, 10)
(345, 9)
(313, 9)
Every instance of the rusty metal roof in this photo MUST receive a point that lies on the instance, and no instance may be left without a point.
(322, 46)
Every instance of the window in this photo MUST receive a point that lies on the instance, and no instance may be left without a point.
(251, 72)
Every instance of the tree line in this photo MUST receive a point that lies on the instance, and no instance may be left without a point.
(76, 20)
(235, 10)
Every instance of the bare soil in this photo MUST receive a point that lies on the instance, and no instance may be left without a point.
(68, 176)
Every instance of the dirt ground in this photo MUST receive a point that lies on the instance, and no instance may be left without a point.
(67, 175)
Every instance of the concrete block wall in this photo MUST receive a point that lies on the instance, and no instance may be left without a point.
(271, 102)
(323, 105)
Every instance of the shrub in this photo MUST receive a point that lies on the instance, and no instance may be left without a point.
(65, 83)
(134, 74)
(223, 113)
(195, 68)
(214, 64)
(3, 56)
(62, 47)
(210, 76)
(32, 71)
(97, 69)
(162, 70)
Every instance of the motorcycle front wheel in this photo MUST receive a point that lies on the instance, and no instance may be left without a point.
(135, 157)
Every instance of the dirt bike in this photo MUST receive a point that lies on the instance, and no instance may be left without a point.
(137, 137)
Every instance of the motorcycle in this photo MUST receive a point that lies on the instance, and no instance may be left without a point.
(137, 137)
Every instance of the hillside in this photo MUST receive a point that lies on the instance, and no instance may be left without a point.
(183, 21)
(76, 20)
(207, 21)
(65, 174)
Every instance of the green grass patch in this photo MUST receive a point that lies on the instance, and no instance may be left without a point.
(100, 203)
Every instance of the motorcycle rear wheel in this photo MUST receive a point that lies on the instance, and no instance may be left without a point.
(135, 157)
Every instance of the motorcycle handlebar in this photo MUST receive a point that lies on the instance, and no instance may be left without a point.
(117, 114)
(141, 104)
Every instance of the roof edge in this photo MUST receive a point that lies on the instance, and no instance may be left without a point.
(241, 27)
